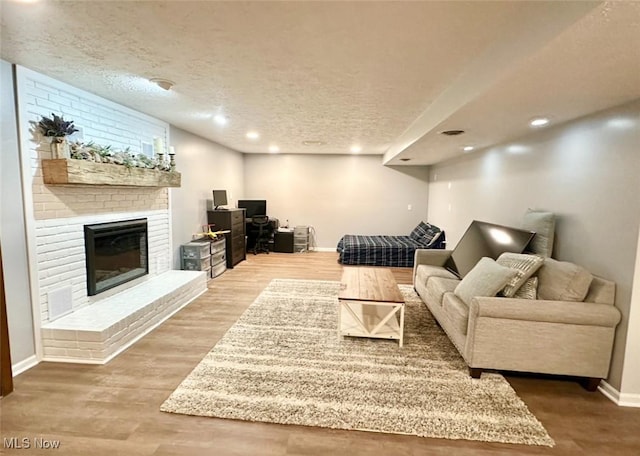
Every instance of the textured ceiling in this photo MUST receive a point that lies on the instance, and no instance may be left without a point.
(386, 75)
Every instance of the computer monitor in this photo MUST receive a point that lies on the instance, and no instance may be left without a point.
(253, 207)
(219, 198)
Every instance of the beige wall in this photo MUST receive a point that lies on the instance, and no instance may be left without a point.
(585, 171)
(204, 166)
(338, 194)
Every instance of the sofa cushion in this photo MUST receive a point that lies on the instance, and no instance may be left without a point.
(529, 290)
(544, 225)
(563, 281)
(457, 312)
(438, 286)
(425, 233)
(424, 271)
(486, 278)
(601, 291)
(525, 265)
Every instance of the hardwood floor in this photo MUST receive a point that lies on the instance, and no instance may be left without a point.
(114, 409)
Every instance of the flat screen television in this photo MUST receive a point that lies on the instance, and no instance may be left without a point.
(484, 239)
(219, 198)
(253, 207)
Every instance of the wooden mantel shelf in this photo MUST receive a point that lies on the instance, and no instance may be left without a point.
(64, 171)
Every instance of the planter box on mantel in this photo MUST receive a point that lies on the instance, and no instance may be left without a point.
(82, 172)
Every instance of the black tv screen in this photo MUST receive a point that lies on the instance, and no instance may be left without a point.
(253, 207)
(484, 239)
(219, 198)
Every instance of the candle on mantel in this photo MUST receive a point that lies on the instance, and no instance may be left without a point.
(172, 150)
(158, 146)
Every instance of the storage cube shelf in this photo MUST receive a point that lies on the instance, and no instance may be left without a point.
(300, 238)
(199, 264)
(218, 251)
(217, 246)
(208, 256)
(218, 269)
(196, 250)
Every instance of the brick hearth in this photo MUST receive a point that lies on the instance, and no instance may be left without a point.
(98, 332)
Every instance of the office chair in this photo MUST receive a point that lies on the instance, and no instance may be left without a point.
(263, 231)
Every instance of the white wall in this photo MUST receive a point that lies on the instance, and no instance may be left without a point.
(204, 166)
(586, 171)
(12, 228)
(338, 194)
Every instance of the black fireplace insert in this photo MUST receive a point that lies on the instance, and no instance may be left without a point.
(116, 253)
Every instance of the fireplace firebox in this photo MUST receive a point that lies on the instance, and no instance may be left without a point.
(116, 253)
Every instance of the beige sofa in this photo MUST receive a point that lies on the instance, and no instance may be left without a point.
(573, 338)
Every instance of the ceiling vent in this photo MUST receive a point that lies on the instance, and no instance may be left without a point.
(163, 83)
(452, 132)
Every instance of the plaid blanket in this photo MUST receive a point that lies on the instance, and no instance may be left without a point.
(394, 251)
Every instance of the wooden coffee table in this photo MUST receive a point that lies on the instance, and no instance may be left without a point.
(370, 304)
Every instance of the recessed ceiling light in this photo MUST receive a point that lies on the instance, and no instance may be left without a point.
(162, 83)
(274, 149)
(356, 148)
(621, 123)
(452, 132)
(220, 119)
(517, 149)
(539, 122)
(467, 148)
(313, 142)
(253, 135)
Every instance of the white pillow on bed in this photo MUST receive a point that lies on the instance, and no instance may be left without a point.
(435, 238)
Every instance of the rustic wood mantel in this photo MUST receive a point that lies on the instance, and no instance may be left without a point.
(64, 171)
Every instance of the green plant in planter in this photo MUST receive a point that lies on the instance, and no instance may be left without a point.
(56, 127)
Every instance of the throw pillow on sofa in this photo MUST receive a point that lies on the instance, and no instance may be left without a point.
(563, 281)
(544, 225)
(425, 233)
(524, 265)
(529, 290)
(486, 278)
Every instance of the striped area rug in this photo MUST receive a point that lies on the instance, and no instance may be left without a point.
(282, 362)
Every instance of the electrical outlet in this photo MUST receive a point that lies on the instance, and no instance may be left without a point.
(409, 207)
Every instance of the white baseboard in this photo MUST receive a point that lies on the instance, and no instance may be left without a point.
(324, 249)
(629, 400)
(24, 365)
(621, 399)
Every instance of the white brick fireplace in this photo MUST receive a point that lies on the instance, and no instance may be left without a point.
(75, 326)
(61, 255)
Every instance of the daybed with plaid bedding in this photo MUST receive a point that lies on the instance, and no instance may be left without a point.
(394, 251)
